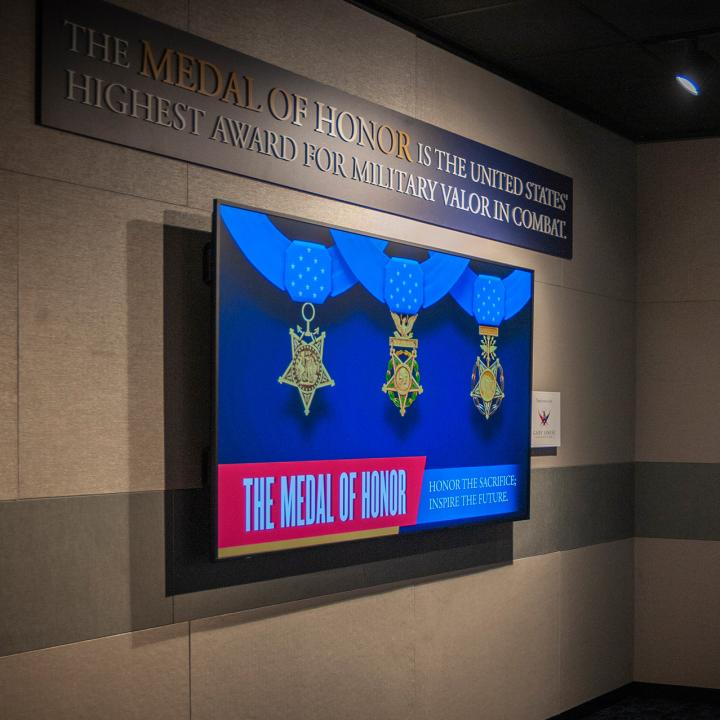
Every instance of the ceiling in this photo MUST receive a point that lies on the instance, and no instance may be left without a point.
(611, 61)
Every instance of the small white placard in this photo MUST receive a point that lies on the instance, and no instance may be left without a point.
(546, 419)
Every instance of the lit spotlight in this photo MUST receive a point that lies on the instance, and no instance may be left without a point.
(688, 84)
(697, 70)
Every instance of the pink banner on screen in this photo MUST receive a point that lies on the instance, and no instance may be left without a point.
(281, 501)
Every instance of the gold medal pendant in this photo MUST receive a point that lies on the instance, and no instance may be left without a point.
(402, 382)
(306, 371)
(488, 378)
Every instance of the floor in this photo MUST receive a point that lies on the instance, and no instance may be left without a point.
(638, 702)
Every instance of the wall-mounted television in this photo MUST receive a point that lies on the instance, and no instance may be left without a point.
(364, 387)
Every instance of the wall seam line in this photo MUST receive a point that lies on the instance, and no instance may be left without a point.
(97, 188)
(102, 494)
(413, 590)
(558, 661)
(17, 338)
(107, 636)
(189, 670)
(585, 292)
(632, 615)
(415, 76)
(678, 302)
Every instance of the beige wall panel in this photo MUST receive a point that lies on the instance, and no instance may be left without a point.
(170, 12)
(206, 185)
(678, 218)
(596, 620)
(584, 346)
(468, 100)
(487, 643)
(29, 148)
(461, 97)
(130, 677)
(604, 259)
(677, 623)
(351, 659)
(328, 41)
(8, 336)
(91, 346)
(678, 363)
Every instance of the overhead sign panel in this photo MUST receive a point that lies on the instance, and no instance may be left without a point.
(117, 76)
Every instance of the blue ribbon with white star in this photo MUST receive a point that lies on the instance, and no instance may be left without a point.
(405, 285)
(491, 300)
(307, 271)
(311, 272)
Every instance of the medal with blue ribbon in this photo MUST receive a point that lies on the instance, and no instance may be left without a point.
(405, 286)
(309, 273)
(490, 300)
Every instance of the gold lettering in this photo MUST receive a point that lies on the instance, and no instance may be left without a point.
(152, 69)
(216, 76)
(233, 94)
(185, 65)
(249, 94)
(200, 76)
(232, 90)
(403, 142)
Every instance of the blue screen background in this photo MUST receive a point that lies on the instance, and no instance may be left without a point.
(258, 419)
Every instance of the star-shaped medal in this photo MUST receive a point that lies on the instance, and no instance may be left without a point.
(402, 379)
(402, 384)
(488, 387)
(306, 371)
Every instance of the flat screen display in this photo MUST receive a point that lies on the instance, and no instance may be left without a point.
(364, 387)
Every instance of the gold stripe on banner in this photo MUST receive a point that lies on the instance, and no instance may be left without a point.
(304, 542)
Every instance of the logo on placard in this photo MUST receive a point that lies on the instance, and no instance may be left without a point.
(544, 416)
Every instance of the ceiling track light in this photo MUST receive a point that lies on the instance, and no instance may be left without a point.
(697, 70)
(687, 83)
